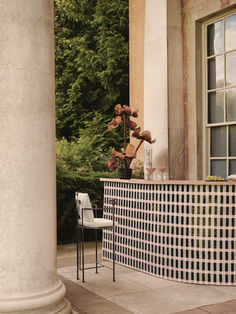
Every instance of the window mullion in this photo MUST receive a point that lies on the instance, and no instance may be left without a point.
(227, 150)
(209, 150)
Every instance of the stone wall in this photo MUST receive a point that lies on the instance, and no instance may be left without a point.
(166, 78)
(194, 14)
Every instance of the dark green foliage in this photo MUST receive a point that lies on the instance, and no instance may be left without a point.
(92, 75)
(91, 150)
(68, 182)
(71, 179)
(91, 55)
(78, 163)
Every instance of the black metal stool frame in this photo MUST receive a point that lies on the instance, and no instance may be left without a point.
(80, 243)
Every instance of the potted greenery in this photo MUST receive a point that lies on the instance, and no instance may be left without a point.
(123, 158)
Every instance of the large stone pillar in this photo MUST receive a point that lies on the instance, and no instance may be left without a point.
(136, 65)
(163, 86)
(28, 279)
(155, 81)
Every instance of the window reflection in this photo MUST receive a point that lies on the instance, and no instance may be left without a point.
(216, 107)
(216, 72)
(231, 68)
(218, 141)
(218, 168)
(231, 104)
(230, 32)
(232, 140)
(232, 167)
(215, 38)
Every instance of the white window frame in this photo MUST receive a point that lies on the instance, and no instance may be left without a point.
(207, 126)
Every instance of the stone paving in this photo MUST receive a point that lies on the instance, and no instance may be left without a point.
(136, 292)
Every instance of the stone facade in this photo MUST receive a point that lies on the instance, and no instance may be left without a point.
(172, 79)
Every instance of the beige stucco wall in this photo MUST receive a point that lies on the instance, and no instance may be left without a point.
(136, 51)
(194, 13)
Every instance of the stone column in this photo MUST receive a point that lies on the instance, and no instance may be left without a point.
(176, 113)
(28, 279)
(136, 65)
(155, 81)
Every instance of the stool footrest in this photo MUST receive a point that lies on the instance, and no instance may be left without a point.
(92, 267)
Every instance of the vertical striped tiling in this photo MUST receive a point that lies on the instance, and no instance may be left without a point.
(184, 232)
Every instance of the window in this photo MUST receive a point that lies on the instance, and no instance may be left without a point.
(220, 65)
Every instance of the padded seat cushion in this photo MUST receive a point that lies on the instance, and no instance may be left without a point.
(97, 223)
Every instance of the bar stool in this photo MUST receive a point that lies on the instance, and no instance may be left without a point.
(86, 220)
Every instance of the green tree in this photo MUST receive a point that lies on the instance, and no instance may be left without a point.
(90, 152)
(91, 56)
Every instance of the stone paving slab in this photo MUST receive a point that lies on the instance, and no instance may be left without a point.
(84, 301)
(137, 292)
(218, 308)
(140, 293)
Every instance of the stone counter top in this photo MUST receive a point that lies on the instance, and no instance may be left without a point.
(172, 182)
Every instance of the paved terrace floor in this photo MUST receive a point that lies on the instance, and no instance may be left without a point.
(136, 292)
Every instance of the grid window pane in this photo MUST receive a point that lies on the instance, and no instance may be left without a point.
(232, 140)
(221, 95)
(215, 38)
(216, 107)
(216, 72)
(231, 68)
(218, 141)
(218, 168)
(231, 104)
(230, 32)
(232, 167)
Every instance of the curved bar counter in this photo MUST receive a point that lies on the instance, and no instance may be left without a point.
(177, 230)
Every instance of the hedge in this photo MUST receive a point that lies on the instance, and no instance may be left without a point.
(67, 184)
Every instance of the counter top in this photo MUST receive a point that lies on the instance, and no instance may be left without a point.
(183, 182)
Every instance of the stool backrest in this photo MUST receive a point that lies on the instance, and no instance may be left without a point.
(83, 201)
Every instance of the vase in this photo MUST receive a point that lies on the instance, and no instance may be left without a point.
(124, 173)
